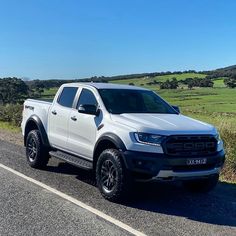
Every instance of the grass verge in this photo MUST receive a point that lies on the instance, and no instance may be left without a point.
(9, 127)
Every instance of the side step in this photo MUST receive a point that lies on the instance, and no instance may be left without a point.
(74, 160)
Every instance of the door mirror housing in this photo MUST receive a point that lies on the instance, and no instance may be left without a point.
(89, 109)
(176, 108)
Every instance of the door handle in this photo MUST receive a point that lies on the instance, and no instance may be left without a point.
(54, 112)
(73, 118)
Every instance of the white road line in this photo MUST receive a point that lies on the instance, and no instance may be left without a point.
(77, 202)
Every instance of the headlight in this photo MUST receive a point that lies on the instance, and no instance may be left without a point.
(151, 139)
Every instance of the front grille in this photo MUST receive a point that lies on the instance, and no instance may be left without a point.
(192, 145)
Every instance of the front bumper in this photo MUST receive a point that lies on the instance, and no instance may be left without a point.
(163, 167)
(171, 175)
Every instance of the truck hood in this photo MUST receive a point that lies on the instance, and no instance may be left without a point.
(164, 124)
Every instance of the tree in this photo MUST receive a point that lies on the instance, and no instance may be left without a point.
(173, 84)
(39, 87)
(206, 82)
(197, 82)
(190, 84)
(230, 82)
(12, 90)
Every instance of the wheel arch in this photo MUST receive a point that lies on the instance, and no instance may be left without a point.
(106, 141)
(34, 122)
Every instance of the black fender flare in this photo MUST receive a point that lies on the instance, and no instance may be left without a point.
(117, 142)
(112, 138)
(36, 120)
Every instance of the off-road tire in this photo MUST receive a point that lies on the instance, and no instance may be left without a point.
(36, 153)
(122, 179)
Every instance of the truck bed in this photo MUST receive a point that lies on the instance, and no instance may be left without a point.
(38, 108)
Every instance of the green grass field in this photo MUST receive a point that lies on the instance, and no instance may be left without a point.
(49, 92)
(202, 100)
(219, 83)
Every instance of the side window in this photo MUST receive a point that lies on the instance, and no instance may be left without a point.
(87, 97)
(67, 96)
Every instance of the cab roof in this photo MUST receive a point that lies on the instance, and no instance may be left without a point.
(105, 86)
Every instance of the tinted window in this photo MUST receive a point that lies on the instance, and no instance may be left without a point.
(87, 97)
(67, 96)
(119, 101)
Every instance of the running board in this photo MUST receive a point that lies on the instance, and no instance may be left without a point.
(71, 159)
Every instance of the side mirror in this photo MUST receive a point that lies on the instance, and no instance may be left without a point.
(176, 108)
(89, 109)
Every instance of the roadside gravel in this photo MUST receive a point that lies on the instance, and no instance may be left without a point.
(12, 137)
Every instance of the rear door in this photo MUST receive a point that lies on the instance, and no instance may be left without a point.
(59, 116)
(83, 127)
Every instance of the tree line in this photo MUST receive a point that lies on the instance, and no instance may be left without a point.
(229, 72)
(12, 90)
(190, 82)
(104, 79)
(15, 90)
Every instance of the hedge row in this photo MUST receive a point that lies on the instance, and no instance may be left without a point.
(11, 113)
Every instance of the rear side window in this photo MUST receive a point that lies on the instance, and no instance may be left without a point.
(67, 96)
(87, 97)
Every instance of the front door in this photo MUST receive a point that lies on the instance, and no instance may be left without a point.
(82, 127)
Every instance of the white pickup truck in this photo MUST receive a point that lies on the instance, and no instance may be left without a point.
(123, 134)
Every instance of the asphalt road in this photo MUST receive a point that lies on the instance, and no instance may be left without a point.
(154, 209)
(27, 209)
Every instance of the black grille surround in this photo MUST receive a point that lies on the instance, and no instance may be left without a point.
(190, 145)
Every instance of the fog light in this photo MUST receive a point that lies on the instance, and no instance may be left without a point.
(140, 163)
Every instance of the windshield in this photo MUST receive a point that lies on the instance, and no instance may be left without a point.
(118, 101)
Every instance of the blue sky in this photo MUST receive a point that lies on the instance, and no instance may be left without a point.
(46, 39)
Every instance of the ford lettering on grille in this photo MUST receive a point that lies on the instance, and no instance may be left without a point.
(190, 145)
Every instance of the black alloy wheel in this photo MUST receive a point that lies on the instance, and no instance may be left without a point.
(109, 176)
(113, 179)
(36, 153)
